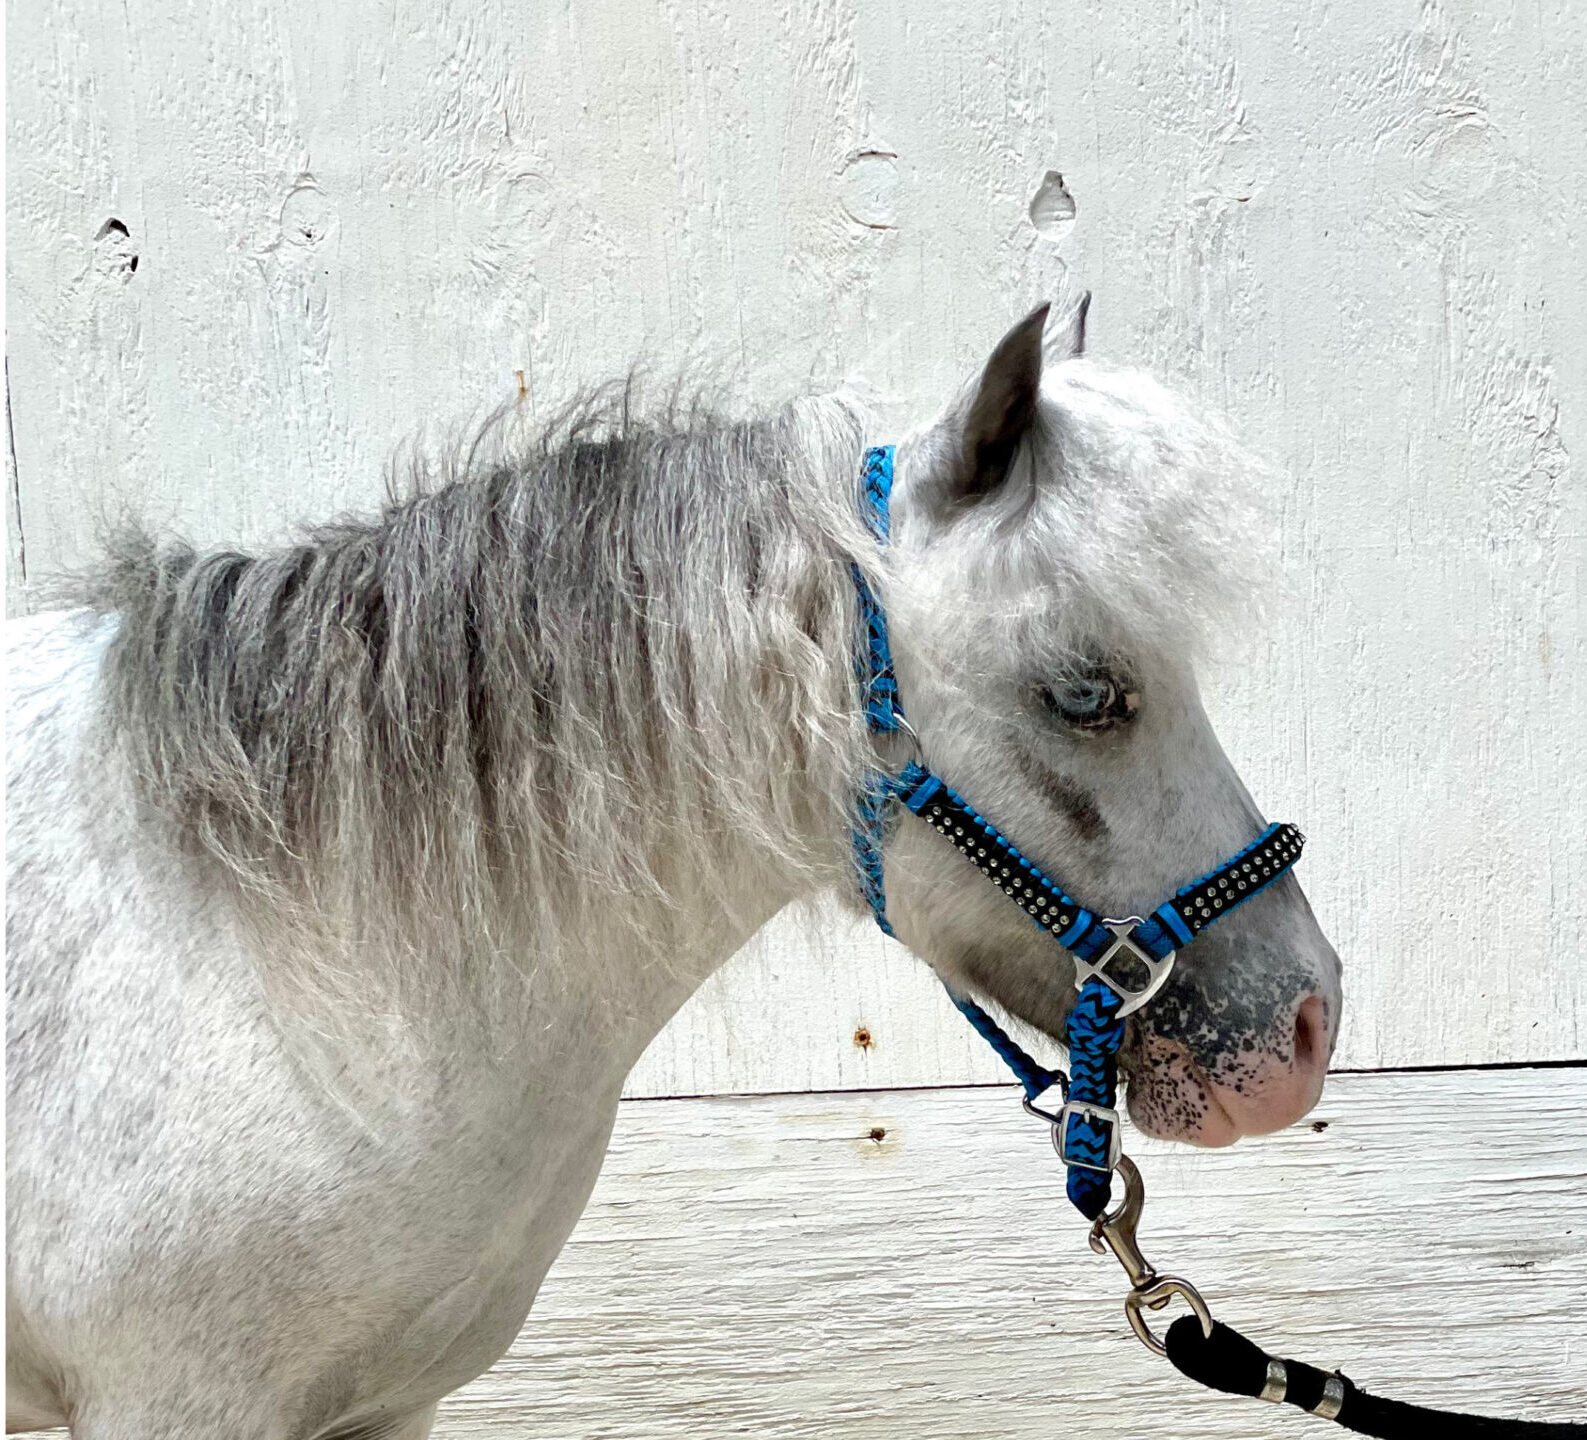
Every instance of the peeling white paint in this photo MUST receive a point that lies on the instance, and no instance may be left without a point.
(1053, 208)
(1356, 226)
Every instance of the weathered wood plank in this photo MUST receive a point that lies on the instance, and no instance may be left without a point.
(1355, 225)
(765, 1266)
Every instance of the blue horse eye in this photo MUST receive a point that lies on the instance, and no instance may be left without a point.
(1085, 698)
(1089, 702)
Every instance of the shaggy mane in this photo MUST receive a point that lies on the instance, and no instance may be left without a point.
(614, 661)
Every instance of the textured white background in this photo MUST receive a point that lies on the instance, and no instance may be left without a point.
(1357, 226)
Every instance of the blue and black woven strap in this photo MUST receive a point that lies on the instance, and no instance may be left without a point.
(870, 831)
(874, 657)
(1034, 1077)
(984, 846)
(1088, 1138)
(1174, 923)
(869, 834)
(1210, 898)
(876, 491)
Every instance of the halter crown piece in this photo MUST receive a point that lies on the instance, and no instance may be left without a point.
(1086, 1129)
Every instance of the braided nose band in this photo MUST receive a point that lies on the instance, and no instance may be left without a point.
(1086, 1130)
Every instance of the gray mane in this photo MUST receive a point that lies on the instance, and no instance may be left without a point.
(613, 661)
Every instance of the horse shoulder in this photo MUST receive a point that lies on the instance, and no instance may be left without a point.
(184, 1188)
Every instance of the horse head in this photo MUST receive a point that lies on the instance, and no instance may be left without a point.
(1065, 540)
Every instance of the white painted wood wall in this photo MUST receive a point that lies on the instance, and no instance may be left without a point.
(253, 247)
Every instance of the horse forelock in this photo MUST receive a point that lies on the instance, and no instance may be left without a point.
(1157, 517)
(1130, 528)
(609, 663)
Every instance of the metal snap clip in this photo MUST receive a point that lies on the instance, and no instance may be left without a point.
(1115, 1231)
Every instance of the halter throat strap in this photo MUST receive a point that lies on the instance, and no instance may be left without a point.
(1108, 953)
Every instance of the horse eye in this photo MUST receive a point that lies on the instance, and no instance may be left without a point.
(1090, 702)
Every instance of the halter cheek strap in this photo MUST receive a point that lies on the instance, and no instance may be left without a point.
(1110, 955)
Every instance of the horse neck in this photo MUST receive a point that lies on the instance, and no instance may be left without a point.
(753, 784)
(588, 718)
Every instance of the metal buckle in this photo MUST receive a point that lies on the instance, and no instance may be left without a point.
(1156, 970)
(1085, 1110)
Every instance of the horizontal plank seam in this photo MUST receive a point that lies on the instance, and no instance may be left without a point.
(1577, 1064)
(1004, 1085)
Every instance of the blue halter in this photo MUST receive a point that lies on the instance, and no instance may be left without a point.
(1086, 1129)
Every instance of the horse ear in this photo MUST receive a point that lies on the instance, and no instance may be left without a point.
(1066, 338)
(999, 411)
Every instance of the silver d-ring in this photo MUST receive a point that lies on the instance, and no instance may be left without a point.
(1157, 970)
(902, 727)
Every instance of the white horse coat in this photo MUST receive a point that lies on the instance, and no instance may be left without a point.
(298, 1125)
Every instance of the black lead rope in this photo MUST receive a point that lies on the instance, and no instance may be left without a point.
(1227, 1361)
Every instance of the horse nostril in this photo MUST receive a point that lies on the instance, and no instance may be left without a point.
(1309, 1042)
